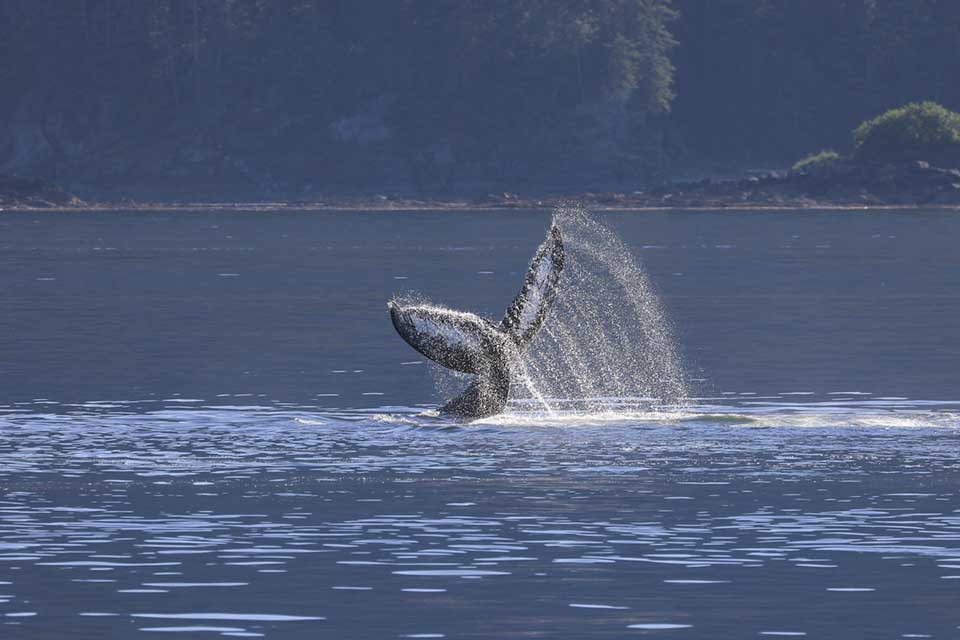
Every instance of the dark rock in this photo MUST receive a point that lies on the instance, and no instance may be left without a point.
(34, 192)
(838, 183)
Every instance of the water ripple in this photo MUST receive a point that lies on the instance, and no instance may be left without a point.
(614, 521)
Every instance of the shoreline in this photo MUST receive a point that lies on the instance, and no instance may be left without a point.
(839, 186)
(459, 206)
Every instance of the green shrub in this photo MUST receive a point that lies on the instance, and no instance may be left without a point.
(816, 161)
(917, 131)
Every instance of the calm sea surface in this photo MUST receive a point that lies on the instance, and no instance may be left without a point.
(208, 428)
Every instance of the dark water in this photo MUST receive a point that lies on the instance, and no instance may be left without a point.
(208, 429)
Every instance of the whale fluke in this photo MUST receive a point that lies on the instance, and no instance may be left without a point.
(467, 343)
(457, 340)
(529, 309)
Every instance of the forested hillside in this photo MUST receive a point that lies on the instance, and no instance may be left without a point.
(283, 98)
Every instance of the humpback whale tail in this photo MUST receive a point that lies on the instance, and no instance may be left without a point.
(468, 343)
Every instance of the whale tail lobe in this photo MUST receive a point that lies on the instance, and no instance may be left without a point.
(467, 343)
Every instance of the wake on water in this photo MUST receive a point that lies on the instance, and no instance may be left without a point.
(623, 416)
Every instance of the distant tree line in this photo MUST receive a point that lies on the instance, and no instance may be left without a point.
(277, 95)
(765, 80)
(919, 131)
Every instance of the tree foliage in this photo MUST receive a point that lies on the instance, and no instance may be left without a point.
(764, 81)
(816, 161)
(494, 83)
(354, 93)
(917, 131)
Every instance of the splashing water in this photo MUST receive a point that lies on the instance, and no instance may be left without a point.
(606, 345)
(607, 340)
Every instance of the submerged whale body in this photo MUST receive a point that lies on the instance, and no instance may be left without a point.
(467, 343)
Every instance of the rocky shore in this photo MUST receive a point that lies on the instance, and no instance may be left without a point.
(839, 184)
(835, 185)
(33, 193)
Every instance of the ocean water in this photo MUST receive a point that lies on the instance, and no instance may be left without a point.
(208, 428)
